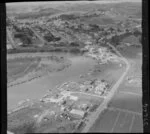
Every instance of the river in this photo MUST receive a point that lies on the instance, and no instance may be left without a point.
(81, 65)
(37, 88)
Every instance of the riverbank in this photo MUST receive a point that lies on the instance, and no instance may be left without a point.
(81, 65)
(44, 64)
(35, 107)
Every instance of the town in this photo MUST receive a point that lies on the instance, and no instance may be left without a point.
(42, 47)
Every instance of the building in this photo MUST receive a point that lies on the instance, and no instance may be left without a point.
(100, 88)
(77, 113)
(9, 46)
(75, 98)
(54, 100)
(83, 88)
(84, 106)
(87, 82)
(8, 132)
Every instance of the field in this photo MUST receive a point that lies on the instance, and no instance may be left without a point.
(107, 71)
(87, 99)
(131, 39)
(98, 20)
(115, 121)
(138, 124)
(129, 95)
(20, 122)
(19, 67)
(124, 112)
(127, 101)
(105, 122)
(23, 121)
(130, 52)
(134, 57)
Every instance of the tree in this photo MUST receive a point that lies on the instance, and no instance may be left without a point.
(115, 40)
(74, 44)
(140, 39)
(136, 32)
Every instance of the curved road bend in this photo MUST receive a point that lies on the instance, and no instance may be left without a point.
(104, 104)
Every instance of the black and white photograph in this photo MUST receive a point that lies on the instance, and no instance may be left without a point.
(74, 66)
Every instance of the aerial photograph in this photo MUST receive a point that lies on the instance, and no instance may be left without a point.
(74, 66)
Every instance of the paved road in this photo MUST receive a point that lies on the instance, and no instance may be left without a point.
(104, 104)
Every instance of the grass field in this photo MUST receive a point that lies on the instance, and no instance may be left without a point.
(135, 60)
(123, 123)
(19, 67)
(98, 20)
(130, 52)
(131, 39)
(127, 101)
(114, 121)
(124, 113)
(22, 121)
(137, 124)
(105, 122)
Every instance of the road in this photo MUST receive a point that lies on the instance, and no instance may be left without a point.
(104, 104)
(28, 55)
(94, 95)
(37, 35)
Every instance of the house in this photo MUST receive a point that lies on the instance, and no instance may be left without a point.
(77, 113)
(75, 98)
